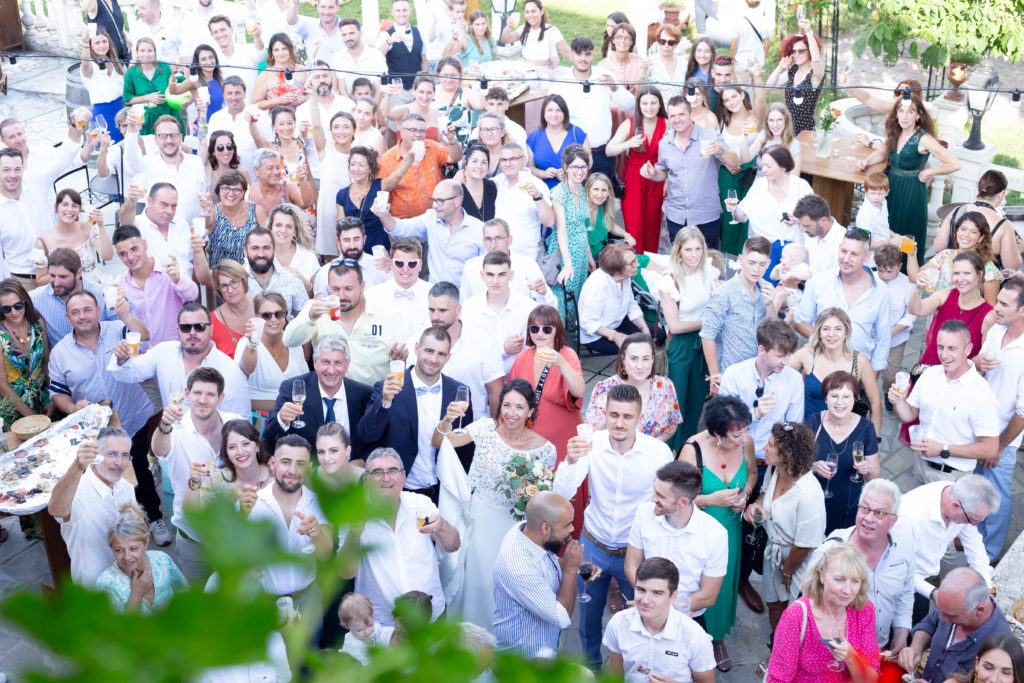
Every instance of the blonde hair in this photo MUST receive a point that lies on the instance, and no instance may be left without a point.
(815, 339)
(787, 124)
(355, 607)
(850, 563)
(687, 234)
(232, 269)
(303, 237)
(608, 208)
(131, 525)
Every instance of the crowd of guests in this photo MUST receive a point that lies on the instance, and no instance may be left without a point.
(390, 282)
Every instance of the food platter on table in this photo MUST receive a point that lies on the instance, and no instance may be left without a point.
(502, 70)
(29, 472)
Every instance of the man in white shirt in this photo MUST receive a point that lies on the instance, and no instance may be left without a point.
(350, 242)
(1003, 367)
(499, 311)
(523, 200)
(402, 300)
(234, 118)
(654, 636)
(936, 513)
(822, 233)
(608, 311)
(185, 438)
(86, 501)
(527, 278)
(264, 276)
(621, 464)
(184, 171)
(201, 14)
(295, 512)
(234, 59)
(323, 30)
(357, 58)
(164, 31)
(399, 553)
(959, 421)
(166, 235)
(672, 527)
(591, 111)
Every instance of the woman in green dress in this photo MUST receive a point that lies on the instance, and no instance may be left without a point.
(601, 223)
(724, 453)
(572, 211)
(740, 123)
(146, 83)
(909, 141)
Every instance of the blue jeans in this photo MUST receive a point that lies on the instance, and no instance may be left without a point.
(995, 526)
(591, 613)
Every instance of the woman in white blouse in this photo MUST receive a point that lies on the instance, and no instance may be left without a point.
(268, 362)
(293, 243)
(105, 84)
(769, 203)
(542, 43)
(684, 294)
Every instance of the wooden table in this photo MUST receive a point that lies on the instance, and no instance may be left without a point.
(834, 178)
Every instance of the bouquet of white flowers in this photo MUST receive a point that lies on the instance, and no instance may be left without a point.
(524, 479)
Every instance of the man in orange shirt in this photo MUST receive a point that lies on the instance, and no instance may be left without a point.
(411, 192)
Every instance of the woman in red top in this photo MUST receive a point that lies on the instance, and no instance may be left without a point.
(639, 138)
(553, 369)
(229, 318)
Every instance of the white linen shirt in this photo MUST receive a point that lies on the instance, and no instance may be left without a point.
(679, 649)
(519, 210)
(524, 271)
(93, 509)
(592, 111)
(511, 321)
(765, 211)
(396, 561)
(619, 484)
(955, 413)
(292, 577)
(449, 249)
(188, 177)
(700, 548)
(604, 303)
(177, 243)
(423, 472)
(348, 67)
(921, 519)
(742, 380)
(1006, 381)
(823, 252)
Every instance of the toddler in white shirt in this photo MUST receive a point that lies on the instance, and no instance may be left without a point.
(793, 264)
(356, 614)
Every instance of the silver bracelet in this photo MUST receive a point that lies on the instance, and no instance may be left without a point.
(443, 433)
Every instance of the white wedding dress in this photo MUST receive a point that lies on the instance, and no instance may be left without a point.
(490, 512)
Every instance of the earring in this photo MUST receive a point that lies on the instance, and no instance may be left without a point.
(529, 422)
(501, 420)
(719, 442)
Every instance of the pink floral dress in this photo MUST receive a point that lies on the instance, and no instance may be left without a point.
(660, 414)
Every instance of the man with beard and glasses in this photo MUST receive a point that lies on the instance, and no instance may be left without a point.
(86, 501)
(534, 589)
(398, 553)
(64, 267)
(344, 312)
(351, 243)
(264, 276)
(295, 512)
(171, 362)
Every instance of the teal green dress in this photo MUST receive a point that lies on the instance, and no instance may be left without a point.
(721, 616)
(733, 236)
(908, 196)
(597, 234)
(577, 215)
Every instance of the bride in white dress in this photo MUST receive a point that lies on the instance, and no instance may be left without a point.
(496, 444)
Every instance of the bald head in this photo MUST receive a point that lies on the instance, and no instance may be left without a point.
(547, 507)
(966, 584)
(451, 192)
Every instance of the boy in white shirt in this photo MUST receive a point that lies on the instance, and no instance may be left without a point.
(356, 614)
(873, 215)
(888, 260)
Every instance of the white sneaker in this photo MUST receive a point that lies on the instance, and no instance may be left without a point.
(161, 534)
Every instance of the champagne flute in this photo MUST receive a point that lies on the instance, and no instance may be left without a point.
(588, 572)
(858, 458)
(100, 123)
(835, 664)
(832, 463)
(462, 402)
(731, 200)
(751, 538)
(298, 397)
(177, 398)
(801, 13)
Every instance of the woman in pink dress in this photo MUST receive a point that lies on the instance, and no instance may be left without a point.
(624, 65)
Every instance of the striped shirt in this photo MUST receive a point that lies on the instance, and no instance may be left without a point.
(731, 318)
(527, 617)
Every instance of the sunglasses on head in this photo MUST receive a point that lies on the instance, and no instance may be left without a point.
(229, 147)
(18, 306)
(411, 265)
(537, 329)
(723, 59)
(188, 327)
(666, 41)
(270, 315)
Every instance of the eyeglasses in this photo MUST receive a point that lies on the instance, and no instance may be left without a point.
(491, 129)
(226, 189)
(537, 329)
(229, 147)
(440, 200)
(164, 137)
(723, 59)
(188, 327)
(351, 263)
(230, 284)
(509, 160)
(579, 167)
(270, 315)
(663, 41)
(972, 522)
(879, 514)
(18, 306)
(411, 265)
(390, 472)
(415, 131)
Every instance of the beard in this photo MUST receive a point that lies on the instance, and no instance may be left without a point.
(323, 90)
(353, 253)
(288, 488)
(554, 545)
(262, 266)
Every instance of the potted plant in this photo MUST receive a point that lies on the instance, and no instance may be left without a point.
(672, 9)
(960, 60)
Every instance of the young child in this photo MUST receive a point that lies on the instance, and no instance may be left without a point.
(793, 264)
(356, 614)
(873, 215)
(887, 261)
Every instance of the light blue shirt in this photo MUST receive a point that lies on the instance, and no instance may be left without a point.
(54, 310)
(167, 580)
(449, 249)
(869, 314)
(741, 380)
(693, 178)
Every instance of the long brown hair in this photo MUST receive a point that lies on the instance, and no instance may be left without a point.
(543, 22)
(892, 124)
(618, 18)
(723, 113)
(638, 118)
(691, 66)
(473, 16)
(110, 56)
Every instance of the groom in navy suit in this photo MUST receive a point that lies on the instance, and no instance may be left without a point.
(404, 414)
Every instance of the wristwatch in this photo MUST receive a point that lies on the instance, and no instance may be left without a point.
(944, 453)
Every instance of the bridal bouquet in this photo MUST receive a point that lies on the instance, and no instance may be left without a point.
(524, 478)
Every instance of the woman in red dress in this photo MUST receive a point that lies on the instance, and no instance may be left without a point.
(553, 369)
(639, 138)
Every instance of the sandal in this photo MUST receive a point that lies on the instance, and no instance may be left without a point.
(761, 670)
(724, 662)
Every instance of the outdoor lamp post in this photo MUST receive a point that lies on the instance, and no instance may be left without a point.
(503, 8)
(981, 92)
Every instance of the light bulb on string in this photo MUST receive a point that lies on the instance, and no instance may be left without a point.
(1015, 98)
(586, 87)
(288, 74)
(483, 85)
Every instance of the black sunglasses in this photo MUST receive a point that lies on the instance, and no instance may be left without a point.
(546, 329)
(19, 306)
(663, 41)
(270, 315)
(188, 327)
(759, 392)
(229, 147)
(402, 264)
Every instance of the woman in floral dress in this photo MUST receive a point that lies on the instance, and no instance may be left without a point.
(24, 384)
(571, 215)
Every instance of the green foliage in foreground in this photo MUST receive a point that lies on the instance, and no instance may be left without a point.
(230, 625)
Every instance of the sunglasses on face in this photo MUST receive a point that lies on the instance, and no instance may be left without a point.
(351, 263)
(799, 51)
(270, 315)
(537, 329)
(665, 41)
(188, 327)
(229, 147)
(411, 265)
(19, 306)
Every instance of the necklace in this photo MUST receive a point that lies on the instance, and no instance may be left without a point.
(17, 337)
(842, 446)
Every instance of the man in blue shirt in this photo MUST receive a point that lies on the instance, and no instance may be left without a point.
(64, 267)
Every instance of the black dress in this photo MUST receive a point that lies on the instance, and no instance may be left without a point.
(803, 113)
(841, 509)
(485, 212)
(375, 232)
